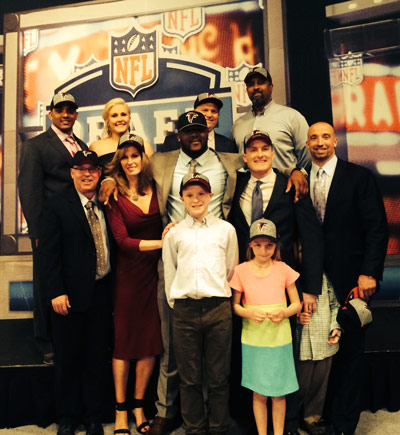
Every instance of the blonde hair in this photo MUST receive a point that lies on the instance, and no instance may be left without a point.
(276, 256)
(106, 112)
(114, 170)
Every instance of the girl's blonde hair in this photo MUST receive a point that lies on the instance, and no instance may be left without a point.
(114, 170)
(276, 256)
(106, 112)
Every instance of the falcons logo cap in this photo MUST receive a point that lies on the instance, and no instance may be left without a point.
(190, 119)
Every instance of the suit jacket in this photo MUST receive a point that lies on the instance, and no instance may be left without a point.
(163, 166)
(43, 172)
(67, 252)
(222, 144)
(293, 221)
(354, 227)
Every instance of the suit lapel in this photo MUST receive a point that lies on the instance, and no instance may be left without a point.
(78, 211)
(168, 175)
(58, 146)
(335, 188)
(277, 192)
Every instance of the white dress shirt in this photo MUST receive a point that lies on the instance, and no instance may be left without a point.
(209, 165)
(266, 187)
(199, 258)
(211, 139)
(100, 214)
(329, 167)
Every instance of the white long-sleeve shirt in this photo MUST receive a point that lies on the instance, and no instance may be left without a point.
(199, 258)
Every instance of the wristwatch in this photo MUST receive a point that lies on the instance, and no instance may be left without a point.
(302, 170)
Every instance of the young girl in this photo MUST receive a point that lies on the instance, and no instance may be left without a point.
(267, 357)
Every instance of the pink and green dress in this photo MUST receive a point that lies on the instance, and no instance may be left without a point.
(267, 354)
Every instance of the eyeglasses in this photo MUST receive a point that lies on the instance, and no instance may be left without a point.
(91, 170)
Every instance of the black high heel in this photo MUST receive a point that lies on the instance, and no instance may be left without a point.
(121, 406)
(138, 403)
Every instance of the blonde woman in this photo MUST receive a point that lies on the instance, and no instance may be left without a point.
(117, 119)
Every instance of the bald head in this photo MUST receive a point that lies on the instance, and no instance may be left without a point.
(321, 142)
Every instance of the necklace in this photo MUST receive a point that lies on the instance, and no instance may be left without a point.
(261, 266)
(134, 196)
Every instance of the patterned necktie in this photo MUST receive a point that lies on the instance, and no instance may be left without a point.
(95, 227)
(256, 202)
(193, 164)
(73, 146)
(319, 194)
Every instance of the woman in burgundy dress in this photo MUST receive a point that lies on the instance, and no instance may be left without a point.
(136, 225)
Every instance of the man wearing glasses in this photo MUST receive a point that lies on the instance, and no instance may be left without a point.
(45, 171)
(74, 260)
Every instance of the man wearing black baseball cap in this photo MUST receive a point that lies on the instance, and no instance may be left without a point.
(209, 105)
(45, 171)
(168, 170)
(75, 266)
(286, 127)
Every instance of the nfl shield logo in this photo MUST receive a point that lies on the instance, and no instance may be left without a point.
(134, 60)
(347, 70)
(183, 23)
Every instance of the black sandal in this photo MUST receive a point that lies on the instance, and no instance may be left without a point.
(138, 403)
(121, 406)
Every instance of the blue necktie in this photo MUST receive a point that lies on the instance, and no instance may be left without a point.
(257, 203)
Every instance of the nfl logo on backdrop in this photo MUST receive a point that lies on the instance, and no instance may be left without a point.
(183, 23)
(134, 60)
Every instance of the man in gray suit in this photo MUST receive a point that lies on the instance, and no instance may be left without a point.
(168, 171)
(45, 171)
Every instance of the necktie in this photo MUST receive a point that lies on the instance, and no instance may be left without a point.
(319, 194)
(95, 227)
(193, 164)
(73, 146)
(256, 202)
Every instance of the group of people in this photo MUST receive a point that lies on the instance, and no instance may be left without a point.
(166, 246)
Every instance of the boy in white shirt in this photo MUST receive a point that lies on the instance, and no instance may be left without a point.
(199, 256)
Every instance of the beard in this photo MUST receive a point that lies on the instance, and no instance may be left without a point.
(259, 100)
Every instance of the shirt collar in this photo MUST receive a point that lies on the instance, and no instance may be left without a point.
(268, 178)
(201, 160)
(85, 200)
(329, 167)
(207, 220)
(62, 135)
(271, 103)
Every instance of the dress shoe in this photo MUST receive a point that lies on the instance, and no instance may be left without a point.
(315, 428)
(66, 429)
(48, 358)
(94, 428)
(160, 426)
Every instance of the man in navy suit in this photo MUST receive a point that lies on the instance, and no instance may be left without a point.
(209, 105)
(74, 254)
(354, 225)
(45, 171)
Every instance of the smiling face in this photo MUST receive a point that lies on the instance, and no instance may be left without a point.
(263, 249)
(211, 113)
(196, 200)
(321, 142)
(85, 178)
(118, 119)
(193, 140)
(258, 156)
(131, 162)
(259, 90)
(63, 116)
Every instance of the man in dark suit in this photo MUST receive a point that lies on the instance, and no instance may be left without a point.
(295, 221)
(45, 171)
(353, 219)
(75, 270)
(209, 105)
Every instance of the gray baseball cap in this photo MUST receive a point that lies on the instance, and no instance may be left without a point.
(62, 97)
(258, 70)
(195, 178)
(263, 228)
